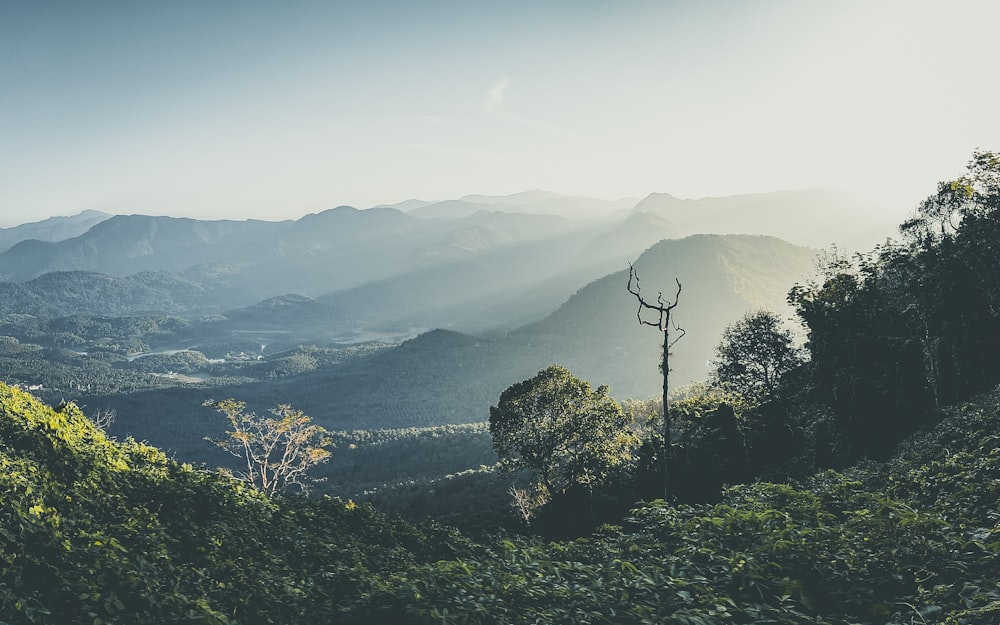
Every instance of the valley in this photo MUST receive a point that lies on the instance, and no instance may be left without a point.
(445, 307)
(480, 313)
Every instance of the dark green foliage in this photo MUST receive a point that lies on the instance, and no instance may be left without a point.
(912, 325)
(476, 501)
(573, 439)
(913, 540)
(755, 353)
(95, 531)
(91, 529)
(368, 459)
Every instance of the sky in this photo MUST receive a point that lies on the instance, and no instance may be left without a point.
(273, 110)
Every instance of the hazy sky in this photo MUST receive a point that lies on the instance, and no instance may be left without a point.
(272, 110)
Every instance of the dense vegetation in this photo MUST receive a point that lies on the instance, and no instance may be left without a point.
(865, 491)
(97, 531)
(102, 532)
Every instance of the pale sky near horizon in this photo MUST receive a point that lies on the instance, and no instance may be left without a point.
(273, 110)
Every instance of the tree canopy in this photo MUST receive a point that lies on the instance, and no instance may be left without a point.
(562, 430)
(913, 325)
(753, 355)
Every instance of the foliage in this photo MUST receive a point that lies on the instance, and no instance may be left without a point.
(93, 531)
(96, 531)
(444, 472)
(913, 540)
(559, 428)
(754, 354)
(913, 325)
(278, 451)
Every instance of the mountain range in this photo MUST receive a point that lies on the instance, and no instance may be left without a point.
(498, 262)
(488, 291)
(443, 376)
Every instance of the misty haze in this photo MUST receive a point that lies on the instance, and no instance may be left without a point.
(448, 312)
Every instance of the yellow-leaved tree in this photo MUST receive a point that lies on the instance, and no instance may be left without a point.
(278, 450)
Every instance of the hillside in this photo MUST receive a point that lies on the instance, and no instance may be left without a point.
(97, 531)
(93, 529)
(358, 258)
(596, 334)
(65, 293)
(445, 377)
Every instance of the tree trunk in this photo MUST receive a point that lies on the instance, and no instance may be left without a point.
(667, 443)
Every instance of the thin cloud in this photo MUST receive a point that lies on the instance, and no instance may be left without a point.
(493, 106)
(431, 119)
(494, 97)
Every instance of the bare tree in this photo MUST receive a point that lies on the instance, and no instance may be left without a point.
(662, 308)
(278, 451)
(104, 418)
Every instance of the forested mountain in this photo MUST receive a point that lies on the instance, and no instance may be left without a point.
(320, 254)
(852, 486)
(445, 377)
(258, 259)
(64, 293)
(596, 333)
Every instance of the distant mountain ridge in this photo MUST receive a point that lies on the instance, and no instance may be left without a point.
(52, 229)
(535, 202)
(509, 261)
(443, 376)
(814, 217)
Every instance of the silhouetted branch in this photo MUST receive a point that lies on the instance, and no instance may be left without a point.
(662, 307)
(678, 328)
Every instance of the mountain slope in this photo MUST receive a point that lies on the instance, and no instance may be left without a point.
(96, 531)
(443, 377)
(596, 334)
(128, 244)
(64, 293)
(333, 251)
(91, 529)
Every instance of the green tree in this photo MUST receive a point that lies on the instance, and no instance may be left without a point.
(562, 430)
(278, 451)
(753, 355)
(913, 325)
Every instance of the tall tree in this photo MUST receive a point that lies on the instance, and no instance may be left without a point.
(662, 309)
(564, 431)
(753, 355)
(911, 325)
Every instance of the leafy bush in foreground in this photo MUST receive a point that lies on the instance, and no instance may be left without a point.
(99, 532)
(914, 540)
(95, 531)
